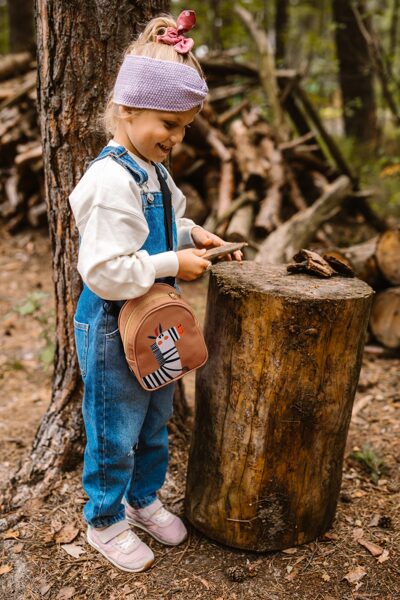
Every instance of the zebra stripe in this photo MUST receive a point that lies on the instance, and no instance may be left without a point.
(164, 373)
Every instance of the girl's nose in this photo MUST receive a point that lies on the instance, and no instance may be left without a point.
(177, 137)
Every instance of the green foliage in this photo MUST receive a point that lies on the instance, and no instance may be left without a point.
(371, 462)
(31, 304)
(4, 29)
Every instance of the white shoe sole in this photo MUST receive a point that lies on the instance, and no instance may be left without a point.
(139, 570)
(153, 535)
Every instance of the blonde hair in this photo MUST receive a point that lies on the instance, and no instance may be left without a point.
(146, 45)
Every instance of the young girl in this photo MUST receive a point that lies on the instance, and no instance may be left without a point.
(118, 208)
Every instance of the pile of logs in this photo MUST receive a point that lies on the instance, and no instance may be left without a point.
(21, 174)
(377, 261)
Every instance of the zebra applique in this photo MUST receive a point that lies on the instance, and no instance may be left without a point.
(167, 355)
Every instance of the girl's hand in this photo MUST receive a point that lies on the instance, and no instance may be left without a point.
(205, 239)
(191, 264)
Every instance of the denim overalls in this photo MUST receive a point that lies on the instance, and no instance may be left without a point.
(126, 452)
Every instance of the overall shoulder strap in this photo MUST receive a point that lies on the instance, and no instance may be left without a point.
(123, 158)
(167, 202)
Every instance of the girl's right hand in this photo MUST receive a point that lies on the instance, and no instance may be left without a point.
(191, 263)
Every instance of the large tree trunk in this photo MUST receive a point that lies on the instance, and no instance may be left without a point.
(21, 24)
(355, 73)
(273, 404)
(79, 46)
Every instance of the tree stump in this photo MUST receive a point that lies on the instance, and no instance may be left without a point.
(273, 404)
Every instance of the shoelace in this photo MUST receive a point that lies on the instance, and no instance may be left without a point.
(125, 539)
(161, 515)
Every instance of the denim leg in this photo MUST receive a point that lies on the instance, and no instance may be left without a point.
(151, 456)
(114, 411)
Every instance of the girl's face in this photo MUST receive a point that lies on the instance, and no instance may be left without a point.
(151, 134)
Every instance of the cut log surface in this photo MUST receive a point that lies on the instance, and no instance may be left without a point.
(273, 404)
(385, 317)
(388, 255)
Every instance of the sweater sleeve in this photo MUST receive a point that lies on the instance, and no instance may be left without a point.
(112, 230)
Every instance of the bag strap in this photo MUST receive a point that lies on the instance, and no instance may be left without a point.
(167, 202)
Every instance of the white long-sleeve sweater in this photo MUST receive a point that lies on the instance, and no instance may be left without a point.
(107, 207)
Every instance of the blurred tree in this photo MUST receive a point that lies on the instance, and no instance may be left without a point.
(281, 31)
(215, 10)
(80, 45)
(21, 25)
(394, 25)
(355, 73)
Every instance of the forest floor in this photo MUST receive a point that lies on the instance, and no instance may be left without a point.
(45, 555)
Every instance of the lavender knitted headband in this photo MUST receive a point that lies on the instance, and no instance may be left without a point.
(145, 82)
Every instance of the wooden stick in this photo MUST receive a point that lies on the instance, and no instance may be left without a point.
(232, 112)
(12, 64)
(328, 140)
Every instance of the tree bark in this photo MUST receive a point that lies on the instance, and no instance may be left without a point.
(80, 45)
(355, 74)
(273, 404)
(21, 24)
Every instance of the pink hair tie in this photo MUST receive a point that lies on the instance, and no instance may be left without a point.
(174, 36)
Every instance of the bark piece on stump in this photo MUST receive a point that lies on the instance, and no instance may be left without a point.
(273, 404)
(310, 262)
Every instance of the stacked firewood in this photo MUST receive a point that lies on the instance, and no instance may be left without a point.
(377, 261)
(21, 171)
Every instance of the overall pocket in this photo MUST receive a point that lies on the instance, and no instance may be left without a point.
(82, 343)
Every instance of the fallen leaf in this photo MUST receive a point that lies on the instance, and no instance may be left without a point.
(11, 534)
(66, 534)
(17, 548)
(326, 577)
(358, 533)
(204, 582)
(44, 588)
(56, 524)
(371, 547)
(293, 570)
(290, 551)
(5, 569)
(330, 536)
(65, 593)
(355, 575)
(358, 494)
(383, 557)
(374, 521)
(73, 550)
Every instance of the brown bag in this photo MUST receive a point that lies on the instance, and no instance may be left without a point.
(161, 336)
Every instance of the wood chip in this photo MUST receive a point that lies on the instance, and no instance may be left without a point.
(371, 547)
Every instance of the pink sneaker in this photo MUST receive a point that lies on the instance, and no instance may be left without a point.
(158, 522)
(121, 547)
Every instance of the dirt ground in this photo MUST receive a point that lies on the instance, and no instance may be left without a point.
(45, 555)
